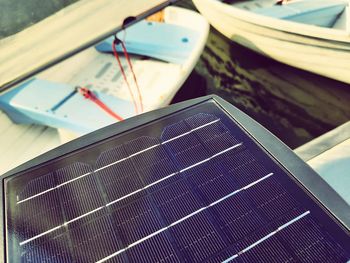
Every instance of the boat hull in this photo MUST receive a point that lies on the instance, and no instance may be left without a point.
(322, 56)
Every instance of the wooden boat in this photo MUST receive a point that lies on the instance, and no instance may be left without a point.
(308, 34)
(158, 79)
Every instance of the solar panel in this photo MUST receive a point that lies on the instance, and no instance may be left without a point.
(195, 182)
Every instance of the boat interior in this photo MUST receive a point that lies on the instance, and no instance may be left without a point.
(49, 98)
(324, 13)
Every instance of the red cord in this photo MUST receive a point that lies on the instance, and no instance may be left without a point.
(133, 74)
(91, 96)
(124, 75)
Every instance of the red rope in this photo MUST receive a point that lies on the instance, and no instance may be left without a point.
(115, 42)
(91, 96)
(133, 74)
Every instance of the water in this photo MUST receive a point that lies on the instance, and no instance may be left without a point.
(295, 105)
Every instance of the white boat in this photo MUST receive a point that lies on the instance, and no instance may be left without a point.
(308, 34)
(158, 80)
(329, 156)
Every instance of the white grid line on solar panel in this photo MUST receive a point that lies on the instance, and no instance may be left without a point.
(116, 162)
(267, 236)
(130, 194)
(184, 218)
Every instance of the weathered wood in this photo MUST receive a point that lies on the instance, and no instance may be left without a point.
(64, 32)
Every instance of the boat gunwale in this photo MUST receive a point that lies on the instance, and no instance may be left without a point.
(286, 26)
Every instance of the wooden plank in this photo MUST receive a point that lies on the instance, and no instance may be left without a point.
(64, 33)
(35, 141)
(20, 143)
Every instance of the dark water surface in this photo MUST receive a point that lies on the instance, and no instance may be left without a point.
(295, 105)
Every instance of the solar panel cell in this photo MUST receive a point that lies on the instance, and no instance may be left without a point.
(150, 157)
(271, 250)
(115, 171)
(197, 238)
(187, 150)
(211, 131)
(271, 199)
(110, 156)
(200, 119)
(116, 187)
(140, 144)
(37, 185)
(158, 171)
(213, 183)
(154, 164)
(94, 240)
(219, 143)
(38, 215)
(174, 130)
(215, 137)
(71, 196)
(55, 250)
(146, 252)
(176, 201)
(238, 217)
(71, 172)
(137, 220)
(310, 244)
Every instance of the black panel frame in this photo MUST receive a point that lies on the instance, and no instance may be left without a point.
(321, 192)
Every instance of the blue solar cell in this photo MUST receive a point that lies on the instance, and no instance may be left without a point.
(212, 130)
(200, 119)
(271, 250)
(271, 199)
(110, 156)
(73, 193)
(187, 150)
(55, 250)
(197, 238)
(94, 240)
(243, 167)
(116, 171)
(137, 220)
(158, 171)
(174, 130)
(237, 216)
(176, 201)
(216, 138)
(144, 252)
(220, 143)
(154, 164)
(310, 244)
(37, 185)
(38, 215)
(71, 172)
(140, 144)
(119, 179)
(150, 157)
(213, 182)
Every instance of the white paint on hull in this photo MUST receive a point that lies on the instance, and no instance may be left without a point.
(324, 51)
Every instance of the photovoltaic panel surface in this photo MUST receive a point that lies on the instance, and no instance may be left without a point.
(192, 187)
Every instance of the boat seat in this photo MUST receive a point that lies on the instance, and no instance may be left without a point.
(316, 12)
(58, 105)
(167, 42)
